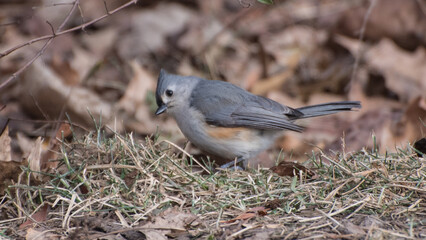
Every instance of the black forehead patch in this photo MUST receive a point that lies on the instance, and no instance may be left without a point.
(161, 85)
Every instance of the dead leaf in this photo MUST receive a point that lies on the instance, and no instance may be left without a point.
(64, 131)
(200, 32)
(391, 127)
(137, 115)
(9, 173)
(150, 29)
(139, 85)
(24, 143)
(244, 216)
(167, 222)
(83, 61)
(40, 216)
(408, 128)
(5, 149)
(293, 44)
(291, 169)
(402, 21)
(50, 151)
(62, 68)
(42, 89)
(229, 60)
(100, 42)
(264, 86)
(49, 156)
(351, 44)
(353, 229)
(404, 72)
(34, 158)
(33, 234)
(359, 133)
(249, 214)
(253, 75)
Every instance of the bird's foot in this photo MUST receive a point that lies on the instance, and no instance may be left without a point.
(233, 165)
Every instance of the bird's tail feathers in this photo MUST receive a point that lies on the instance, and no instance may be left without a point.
(327, 108)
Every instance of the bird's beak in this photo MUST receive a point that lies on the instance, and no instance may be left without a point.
(161, 109)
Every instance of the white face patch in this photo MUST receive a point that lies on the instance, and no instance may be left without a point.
(166, 99)
(178, 102)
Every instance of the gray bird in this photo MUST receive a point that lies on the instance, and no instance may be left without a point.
(227, 121)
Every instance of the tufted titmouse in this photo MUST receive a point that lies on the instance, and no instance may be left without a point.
(227, 121)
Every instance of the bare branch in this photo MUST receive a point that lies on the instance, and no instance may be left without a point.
(9, 51)
(82, 17)
(422, 6)
(106, 8)
(360, 39)
(39, 53)
(244, 4)
(17, 73)
(51, 27)
(64, 3)
(49, 38)
(48, 122)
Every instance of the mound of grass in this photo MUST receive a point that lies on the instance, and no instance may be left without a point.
(122, 188)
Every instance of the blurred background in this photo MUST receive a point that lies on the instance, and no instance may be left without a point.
(297, 52)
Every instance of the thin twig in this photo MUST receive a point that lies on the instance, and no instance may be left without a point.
(337, 211)
(229, 24)
(48, 121)
(39, 53)
(59, 32)
(188, 155)
(422, 6)
(360, 39)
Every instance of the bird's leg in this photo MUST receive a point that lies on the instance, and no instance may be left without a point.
(233, 164)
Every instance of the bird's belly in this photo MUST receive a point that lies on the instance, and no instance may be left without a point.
(230, 143)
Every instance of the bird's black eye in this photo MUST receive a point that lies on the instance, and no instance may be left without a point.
(169, 93)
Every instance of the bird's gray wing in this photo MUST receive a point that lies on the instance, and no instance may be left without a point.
(227, 105)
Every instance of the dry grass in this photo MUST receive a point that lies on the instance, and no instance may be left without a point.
(121, 188)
